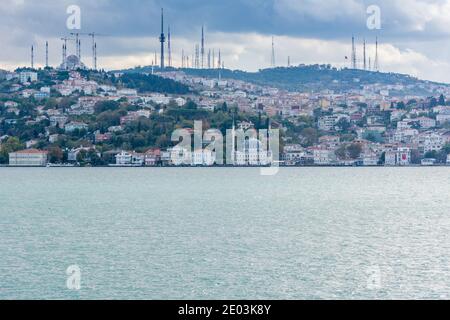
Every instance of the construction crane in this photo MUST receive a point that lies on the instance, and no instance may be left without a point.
(94, 47)
(93, 35)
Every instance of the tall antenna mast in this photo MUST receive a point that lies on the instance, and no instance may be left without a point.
(78, 47)
(94, 51)
(376, 63)
(353, 53)
(289, 61)
(169, 48)
(46, 54)
(272, 61)
(182, 58)
(220, 60)
(197, 56)
(364, 54)
(32, 57)
(95, 56)
(162, 38)
(63, 57)
(209, 59)
(202, 50)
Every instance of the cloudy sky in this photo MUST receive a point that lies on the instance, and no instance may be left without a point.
(414, 35)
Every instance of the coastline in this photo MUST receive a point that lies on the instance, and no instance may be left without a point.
(223, 167)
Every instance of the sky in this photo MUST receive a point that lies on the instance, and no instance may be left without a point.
(414, 35)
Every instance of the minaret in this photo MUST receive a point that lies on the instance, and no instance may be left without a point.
(233, 143)
(162, 38)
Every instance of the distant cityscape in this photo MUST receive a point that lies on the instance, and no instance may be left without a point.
(74, 116)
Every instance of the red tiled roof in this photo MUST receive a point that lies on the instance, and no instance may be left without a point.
(31, 151)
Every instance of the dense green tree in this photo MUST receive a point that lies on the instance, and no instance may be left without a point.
(12, 144)
(309, 136)
(55, 154)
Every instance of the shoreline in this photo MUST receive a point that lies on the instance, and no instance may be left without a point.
(221, 167)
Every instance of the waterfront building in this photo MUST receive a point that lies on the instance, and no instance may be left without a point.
(28, 158)
(398, 157)
(152, 157)
(202, 157)
(324, 156)
(130, 159)
(370, 159)
(252, 153)
(429, 162)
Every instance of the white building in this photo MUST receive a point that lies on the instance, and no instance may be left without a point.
(370, 159)
(443, 118)
(130, 159)
(426, 123)
(327, 123)
(28, 158)
(71, 127)
(323, 157)
(431, 142)
(127, 92)
(202, 157)
(28, 76)
(252, 153)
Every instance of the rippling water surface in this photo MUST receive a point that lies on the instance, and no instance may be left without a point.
(306, 233)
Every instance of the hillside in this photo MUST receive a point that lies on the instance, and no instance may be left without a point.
(313, 78)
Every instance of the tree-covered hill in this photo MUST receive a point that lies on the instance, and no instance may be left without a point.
(150, 83)
(307, 78)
